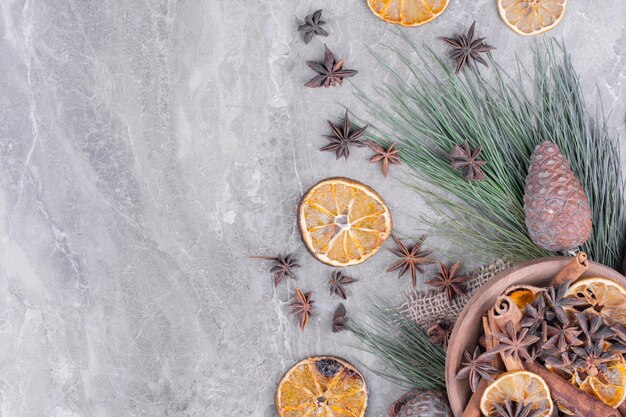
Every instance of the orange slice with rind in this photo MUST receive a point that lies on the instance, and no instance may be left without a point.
(531, 17)
(521, 387)
(322, 386)
(609, 386)
(604, 296)
(408, 12)
(343, 222)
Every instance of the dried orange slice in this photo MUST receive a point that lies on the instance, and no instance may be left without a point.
(343, 222)
(522, 387)
(531, 17)
(605, 297)
(609, 386)
(322, 386)
(408, 12)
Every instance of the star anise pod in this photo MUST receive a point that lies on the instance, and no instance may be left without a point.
(556, 301)
(439, 334)
(563, 362)
(467, 160)
(337, 282)
(340, 319)
(302, 307)
(514, 409)
(515, 343)
(593, 358)
(593, 327)
(561, 338)
(282, 266)
(534, 314)
(312, 26)
(384, 156)
(466, 48)
(477, 365)
(343, 137)
(411, 259)
(331, 72)
(447, 281)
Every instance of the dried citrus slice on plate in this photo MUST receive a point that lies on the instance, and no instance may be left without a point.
(408, 12)
(604, 296)
(521, 387)
(343, 222)
(531, 17)
(609, 386)
(322, 386)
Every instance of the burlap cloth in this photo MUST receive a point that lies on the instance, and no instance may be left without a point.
(425, 308)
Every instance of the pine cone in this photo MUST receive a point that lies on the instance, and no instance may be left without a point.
(419, 403)
(558, 216)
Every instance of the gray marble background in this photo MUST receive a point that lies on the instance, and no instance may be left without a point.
(148, 147)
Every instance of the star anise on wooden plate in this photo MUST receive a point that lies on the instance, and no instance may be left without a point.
(593, 358)
(515, 343)
(467, 160)
(439, 334)
(338, 281)
(340, 319)
(534, 314)
(448, 282)
(312, 26)
(411, 258)
(386, 156)
(557, 302)
(465, 49)
(330, 72)
(302, 307)
(282, 266)
(343, 137)
(561, 338)
(593, 327)
(477, 365)
(514, 409)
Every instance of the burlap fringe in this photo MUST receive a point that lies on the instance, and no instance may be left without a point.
(424, 308)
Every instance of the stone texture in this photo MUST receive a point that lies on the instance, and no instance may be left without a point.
(148, 147)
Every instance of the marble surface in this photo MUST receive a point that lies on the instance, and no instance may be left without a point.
(147, 147)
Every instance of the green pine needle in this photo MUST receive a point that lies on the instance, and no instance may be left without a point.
(430, 112)
(410, 358)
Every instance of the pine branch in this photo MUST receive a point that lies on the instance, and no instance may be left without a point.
(430, 112)
(410, 358)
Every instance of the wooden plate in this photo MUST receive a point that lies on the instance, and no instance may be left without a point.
(468, 327)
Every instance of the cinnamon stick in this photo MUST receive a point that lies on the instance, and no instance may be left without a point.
(622, 408)
(573, 270)
(505, 311)
(571, 397)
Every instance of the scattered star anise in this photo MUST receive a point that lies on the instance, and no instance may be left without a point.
(340, 319)
(302, 307)
(282, 267)
(312, 26)
(563, 362)
(593, 358)
(411, 259)
(515, 343)
(384, 156)
(514, 409)
(343, 137)
(447, 281)
(439, 334)
(337, 282)
(476, 366)
(331, 72)
(466, 48)
(467, 160)
(556, 301)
